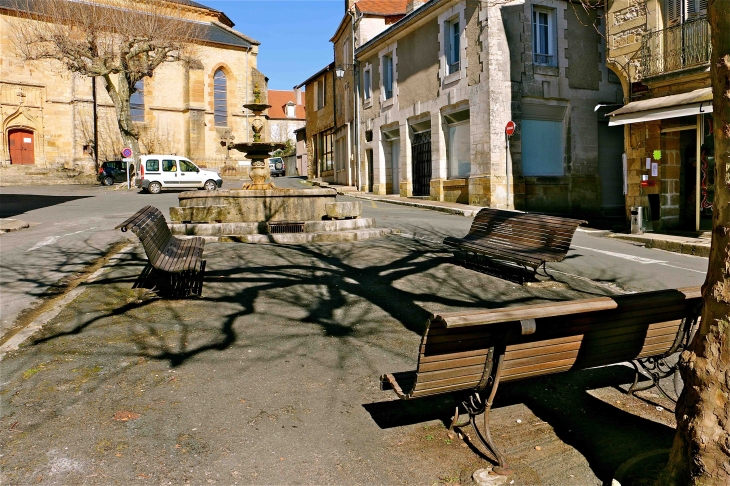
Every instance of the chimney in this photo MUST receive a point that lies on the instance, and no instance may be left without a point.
(413, 5)
(298, 96)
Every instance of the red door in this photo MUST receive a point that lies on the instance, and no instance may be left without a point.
(21, 147)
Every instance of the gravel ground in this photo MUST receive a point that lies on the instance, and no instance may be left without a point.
(271, 377)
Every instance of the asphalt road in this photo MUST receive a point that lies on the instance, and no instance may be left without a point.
(72, 226)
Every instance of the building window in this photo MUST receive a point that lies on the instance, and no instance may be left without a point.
(220, 99)
(543, 36)
(452, 45)
(367, 87)
(324, 151)
(388, 76)
(291, 110)
(542, 148)
(321, 93)
(458, 144)
(136, 102)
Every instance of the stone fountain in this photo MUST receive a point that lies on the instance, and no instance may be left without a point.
(262, 212)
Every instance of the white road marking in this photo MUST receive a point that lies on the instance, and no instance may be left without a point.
(637, 259)
(633, 258)
(53, 239)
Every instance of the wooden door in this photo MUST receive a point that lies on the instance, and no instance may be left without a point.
(421, 157)
(21, 147)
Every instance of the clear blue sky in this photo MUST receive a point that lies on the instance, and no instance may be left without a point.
(294, 35)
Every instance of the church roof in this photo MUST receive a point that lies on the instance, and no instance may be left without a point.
(215, 32)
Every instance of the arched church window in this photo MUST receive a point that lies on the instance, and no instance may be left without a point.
(220, 99)
(136, 102)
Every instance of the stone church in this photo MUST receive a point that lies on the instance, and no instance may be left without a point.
(46, 112)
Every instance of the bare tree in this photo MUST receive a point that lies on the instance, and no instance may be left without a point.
(120, 41)
(701, 450)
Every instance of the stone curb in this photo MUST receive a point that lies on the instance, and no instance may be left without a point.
(7, 225)
(685, 247)
(469, 213)
(302, 238)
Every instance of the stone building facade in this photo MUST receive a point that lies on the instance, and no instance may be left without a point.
(661, 50)
(48, 110)
(445, 80)
(319, 101)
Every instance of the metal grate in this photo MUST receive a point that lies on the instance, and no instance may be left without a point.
(285, 227)
(421, 155)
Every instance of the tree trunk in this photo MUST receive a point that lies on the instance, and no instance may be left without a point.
(701, 450)
(120, 94)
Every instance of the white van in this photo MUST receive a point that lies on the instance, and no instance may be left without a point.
(157, 172)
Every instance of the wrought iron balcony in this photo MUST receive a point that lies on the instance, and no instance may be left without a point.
(676, 48)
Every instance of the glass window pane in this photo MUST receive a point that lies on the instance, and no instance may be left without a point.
(153, 165)
(220, 99)
(459, 151)
(187, 166)
(169, 166)
(136, 102)
(542, 148)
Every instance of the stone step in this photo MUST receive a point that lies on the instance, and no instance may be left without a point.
(302, 238)
(230, 229)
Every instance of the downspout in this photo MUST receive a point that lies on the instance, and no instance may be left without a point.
(246, 71)
(356, 101)
(334, 110)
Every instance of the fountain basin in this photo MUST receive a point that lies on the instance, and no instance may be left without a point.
(252, 206)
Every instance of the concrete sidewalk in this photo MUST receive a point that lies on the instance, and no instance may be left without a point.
(271, 377)
(689, 245)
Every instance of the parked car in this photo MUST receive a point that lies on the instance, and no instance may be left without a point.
(113, 171)
(157, 172)
(277, 167)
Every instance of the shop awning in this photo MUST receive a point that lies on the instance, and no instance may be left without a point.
(673, 106)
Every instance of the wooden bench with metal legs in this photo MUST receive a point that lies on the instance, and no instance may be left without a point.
(471, 352)
(507, 239)
(178, 262)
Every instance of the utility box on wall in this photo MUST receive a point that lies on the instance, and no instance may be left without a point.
(637, 220)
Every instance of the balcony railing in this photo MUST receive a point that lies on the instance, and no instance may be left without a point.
(675, 48)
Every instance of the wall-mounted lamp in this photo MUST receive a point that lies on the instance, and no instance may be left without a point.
(340, 70)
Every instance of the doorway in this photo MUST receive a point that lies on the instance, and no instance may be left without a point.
(610, 169)
(421, 155)
(21, 145)
(371, 179)
(395, 166)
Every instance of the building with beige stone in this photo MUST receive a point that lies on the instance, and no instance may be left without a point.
(185, 109)
(438, 87)
(661, 51)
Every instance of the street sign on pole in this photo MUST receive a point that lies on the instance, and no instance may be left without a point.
(510, 128)
(127, 152)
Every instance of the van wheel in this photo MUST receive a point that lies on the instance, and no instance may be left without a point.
(108, 181)
(154, 188)
(210, 185)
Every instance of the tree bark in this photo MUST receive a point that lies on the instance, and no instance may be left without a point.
(701, 451)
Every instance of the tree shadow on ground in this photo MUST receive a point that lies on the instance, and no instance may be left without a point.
(602, 433)
(15, 204)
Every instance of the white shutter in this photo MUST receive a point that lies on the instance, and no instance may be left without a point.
(702, 6)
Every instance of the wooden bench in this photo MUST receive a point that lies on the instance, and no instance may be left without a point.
(510, 238)
(471, 352)
(178, 261)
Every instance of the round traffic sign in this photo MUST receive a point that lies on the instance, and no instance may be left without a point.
(127, 152)
(510, 128)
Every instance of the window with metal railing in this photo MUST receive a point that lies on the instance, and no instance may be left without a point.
(682, 46)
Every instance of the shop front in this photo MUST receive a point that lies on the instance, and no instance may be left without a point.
(670, 163)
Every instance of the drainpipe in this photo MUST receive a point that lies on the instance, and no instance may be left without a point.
(334, 110)
(246, 71)
(355, 100)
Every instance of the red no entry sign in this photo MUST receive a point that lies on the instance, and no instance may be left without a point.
(510, 128)
(127, 153)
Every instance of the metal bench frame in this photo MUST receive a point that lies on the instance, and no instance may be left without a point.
(471, 352)
(175, 263)
(507, 240)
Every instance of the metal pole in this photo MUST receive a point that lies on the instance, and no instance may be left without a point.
(96, 132)
(698, 180)
(506, 168)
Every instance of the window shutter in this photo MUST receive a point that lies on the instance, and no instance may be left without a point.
(702, 6)
(674, 11)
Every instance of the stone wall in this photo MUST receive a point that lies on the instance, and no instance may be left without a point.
(56, 106)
